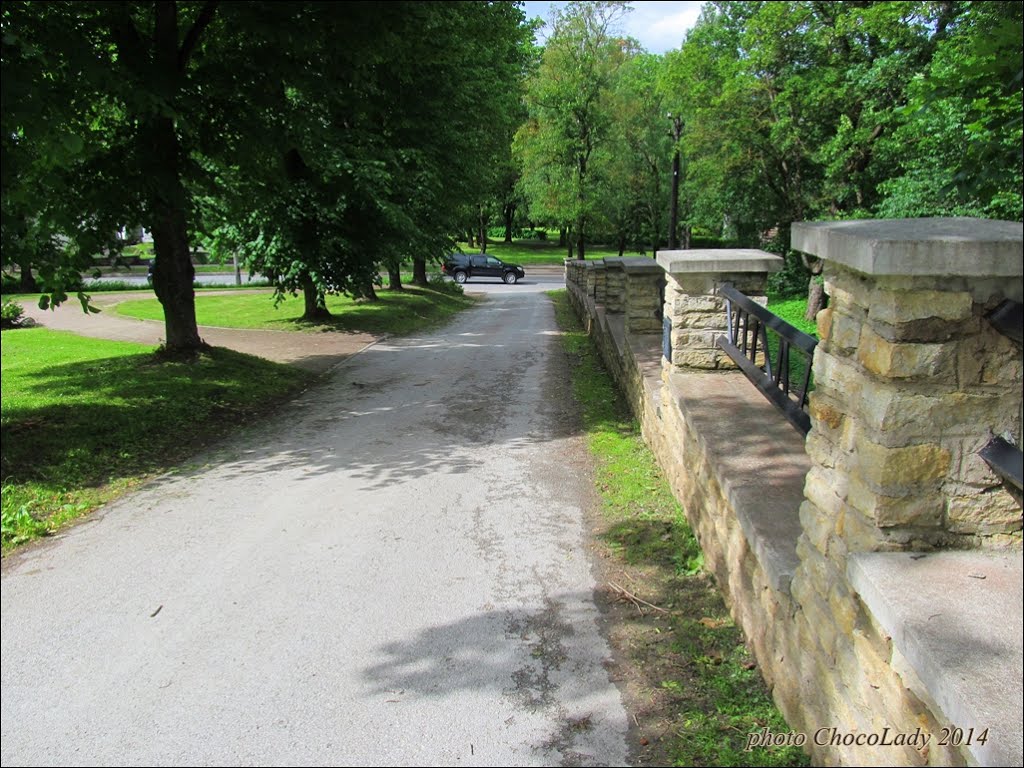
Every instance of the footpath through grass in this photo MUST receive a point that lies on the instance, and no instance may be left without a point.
(396, 312)
(84, 419)
(695, 687)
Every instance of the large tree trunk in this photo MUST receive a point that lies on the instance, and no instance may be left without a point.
(419, 271)
(815, 289)
(563, 234)
(173, 274)
(26, 280)
(815, 298)
(173, 277)
(315, 308)
(622, 244)
(483, 229)
(580, 245)
(394, 277)
(510, 217)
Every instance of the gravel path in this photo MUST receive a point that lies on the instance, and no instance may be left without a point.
(393, 570)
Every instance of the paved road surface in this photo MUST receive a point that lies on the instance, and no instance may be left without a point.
(391, 571)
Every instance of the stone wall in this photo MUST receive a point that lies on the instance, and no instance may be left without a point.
(810, 542)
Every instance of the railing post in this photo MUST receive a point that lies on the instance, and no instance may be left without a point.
(694, 306)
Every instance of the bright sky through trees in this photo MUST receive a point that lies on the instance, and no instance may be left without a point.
(659, 26)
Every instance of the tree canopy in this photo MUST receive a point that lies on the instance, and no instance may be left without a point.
(306, 134)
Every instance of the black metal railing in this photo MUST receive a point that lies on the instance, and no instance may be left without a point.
(770, 363)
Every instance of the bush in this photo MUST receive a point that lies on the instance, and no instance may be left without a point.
(11, 315)
(439, 284)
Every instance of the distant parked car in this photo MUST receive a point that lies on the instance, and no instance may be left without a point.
(462, 266)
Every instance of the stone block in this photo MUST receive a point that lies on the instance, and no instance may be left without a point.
(920, 510)
(825, 488)
(823, 322)
(683, 303)
(988, 360)
(836, 376)
(898, 307)
(824, 414)
(898, 360)
(858, 534)
(983, 512)
(843, 605)
(707, 359)
(818, 526)
(901, 470)
(716, 321)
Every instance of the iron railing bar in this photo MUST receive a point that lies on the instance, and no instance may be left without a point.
(784, 368)
(802, 340)
(793, 413)
(1006, 460)
(1008, 319)
(767, 351)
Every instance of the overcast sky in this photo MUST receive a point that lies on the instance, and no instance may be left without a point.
(659, 26)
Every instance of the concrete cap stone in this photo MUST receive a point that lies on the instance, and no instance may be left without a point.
(953, 246)
(719, 260)
(956, 618)
(641, 264)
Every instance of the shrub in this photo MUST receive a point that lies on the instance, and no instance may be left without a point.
(439, 284)
(11, 315)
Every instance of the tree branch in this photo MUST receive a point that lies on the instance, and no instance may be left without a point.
(130, 48)
(202, 21)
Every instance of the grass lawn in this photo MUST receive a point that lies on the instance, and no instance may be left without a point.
(408, 311)
(792, 311)
(526, 252)
(700, 691)
(84, 419)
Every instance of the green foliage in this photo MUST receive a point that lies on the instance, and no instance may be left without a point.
(570, 100)
(11, 314)
(801, 110)
(84, 419)
(301, 136)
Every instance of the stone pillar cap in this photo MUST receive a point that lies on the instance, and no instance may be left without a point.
(712, 260)
(954, 246)
(641, 264)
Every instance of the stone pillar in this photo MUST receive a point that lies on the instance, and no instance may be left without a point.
(643, 301)
(695, 307)
(615, 285)
(600, 281)
(589, 278)
(911, 381)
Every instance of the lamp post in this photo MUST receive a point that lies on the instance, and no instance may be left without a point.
(673, 210)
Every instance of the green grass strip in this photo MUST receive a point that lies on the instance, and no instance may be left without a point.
(716, 696)
(396, 312)
(84, 419)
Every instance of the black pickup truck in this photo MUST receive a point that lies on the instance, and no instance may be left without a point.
(462, 266)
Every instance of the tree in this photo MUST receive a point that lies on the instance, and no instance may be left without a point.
(800, 110)
(138, 95)
(570, 117)
(304, 135)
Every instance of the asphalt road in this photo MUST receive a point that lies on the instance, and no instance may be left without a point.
(392, 570)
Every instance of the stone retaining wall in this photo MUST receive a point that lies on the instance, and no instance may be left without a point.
(911, 381)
